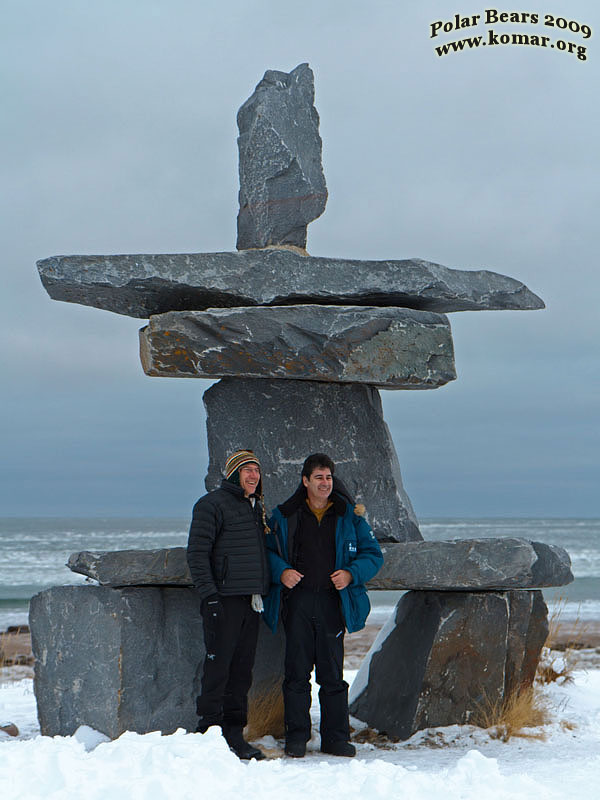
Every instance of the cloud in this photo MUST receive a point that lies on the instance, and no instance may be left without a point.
(121, 137)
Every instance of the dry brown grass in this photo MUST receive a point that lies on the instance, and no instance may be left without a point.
(265, 713)
(16, 659)
(558, 661)
(4, 662)
(556, 667)
(557, 639)
(515, 716)
(527, 710)
(380, 740)
(567, 725)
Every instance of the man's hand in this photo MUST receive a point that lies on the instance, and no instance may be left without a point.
(290, 577)
(212, 609)
(341, 578)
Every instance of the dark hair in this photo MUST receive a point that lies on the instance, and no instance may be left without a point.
(315, 461)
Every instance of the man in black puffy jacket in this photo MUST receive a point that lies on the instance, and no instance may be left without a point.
(227, 559)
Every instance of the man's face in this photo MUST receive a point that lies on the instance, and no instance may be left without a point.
(249, 478)
(319, 485)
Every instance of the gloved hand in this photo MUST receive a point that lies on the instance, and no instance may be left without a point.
(212, 609)
(257, 603)
(213, 615)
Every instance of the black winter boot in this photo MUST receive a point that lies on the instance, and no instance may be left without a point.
(344, 749)
(295, 749)
(239, 746)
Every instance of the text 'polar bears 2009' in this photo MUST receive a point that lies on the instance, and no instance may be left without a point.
(541, 36)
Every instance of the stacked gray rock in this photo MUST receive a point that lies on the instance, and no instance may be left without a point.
(301, 345)
(282, 186)
(127, 654)
(454, 566)
(145, 284)
(272, 417)
(126, 659)
(271, 314)
(389, 348)
(447, 658)
(473, 565)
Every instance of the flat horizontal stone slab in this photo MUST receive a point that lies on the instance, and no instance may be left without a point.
(391, 348)
(142, 285)
(165, 567)
(468, 564)
(473, 564)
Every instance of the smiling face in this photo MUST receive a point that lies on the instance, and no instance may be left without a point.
(319, 486)
(249, 478)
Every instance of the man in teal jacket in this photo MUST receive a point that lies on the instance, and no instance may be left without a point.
(321, 553)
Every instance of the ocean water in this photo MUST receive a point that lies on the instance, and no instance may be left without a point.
(34, 551)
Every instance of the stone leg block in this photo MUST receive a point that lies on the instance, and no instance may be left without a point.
(444, 656)
(527, 632)
(284, 421)
(123, 659)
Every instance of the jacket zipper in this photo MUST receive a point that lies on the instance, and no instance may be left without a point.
(225, 568)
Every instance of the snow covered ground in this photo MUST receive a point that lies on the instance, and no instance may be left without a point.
(442, 763)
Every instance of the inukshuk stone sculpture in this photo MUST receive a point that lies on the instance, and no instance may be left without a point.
(302, 345)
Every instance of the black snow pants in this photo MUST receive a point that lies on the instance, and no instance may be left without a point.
(230, 643)
(314, 629)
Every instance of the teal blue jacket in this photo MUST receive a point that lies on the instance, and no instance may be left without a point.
(356, 549)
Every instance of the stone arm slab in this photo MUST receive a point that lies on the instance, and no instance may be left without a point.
(460, 565)
(142, 285)
(165, 567)
(391, 348)
(473, 564)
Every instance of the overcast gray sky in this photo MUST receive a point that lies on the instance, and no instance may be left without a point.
(119, 136)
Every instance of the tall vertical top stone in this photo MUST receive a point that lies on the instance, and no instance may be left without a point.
(282, 186)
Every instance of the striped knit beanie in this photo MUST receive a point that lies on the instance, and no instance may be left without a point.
(238, 459)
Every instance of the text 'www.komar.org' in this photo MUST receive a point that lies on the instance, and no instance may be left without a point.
(542, 37)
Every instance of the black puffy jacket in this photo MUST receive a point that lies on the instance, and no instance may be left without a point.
(226, 547)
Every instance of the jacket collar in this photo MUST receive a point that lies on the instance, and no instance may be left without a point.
(236, 490)
(298, 499)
